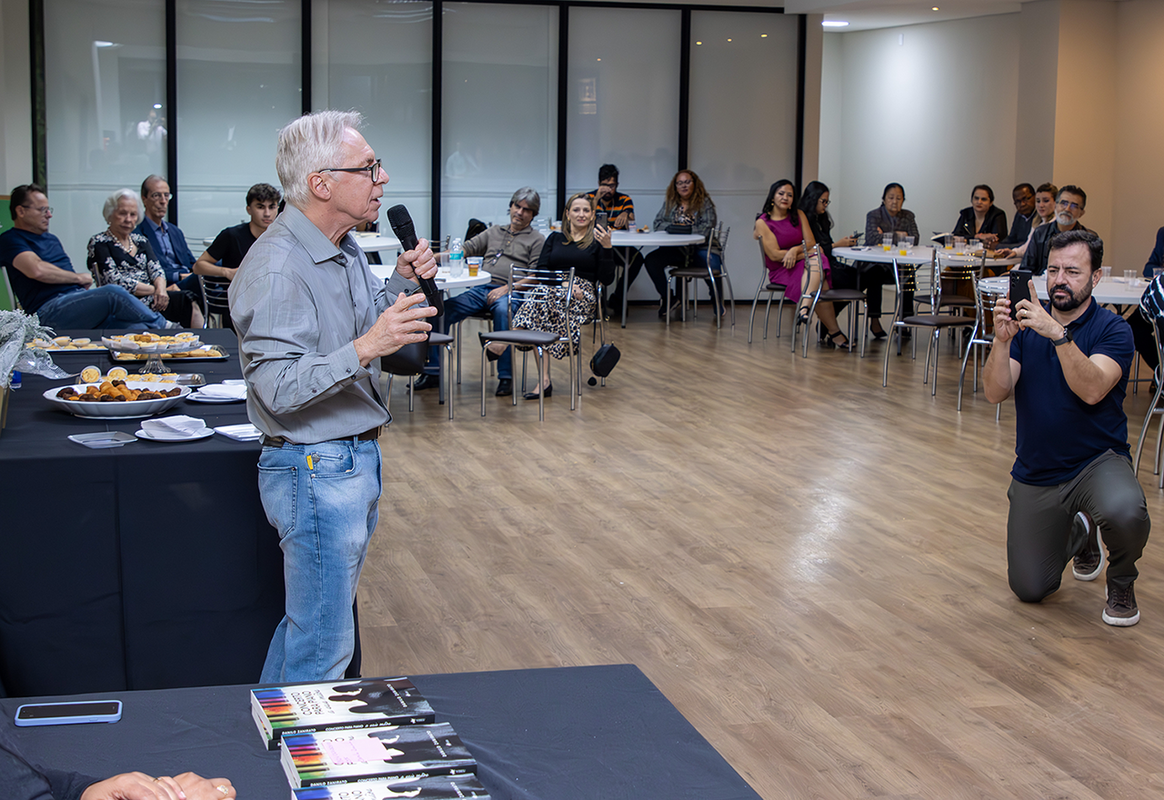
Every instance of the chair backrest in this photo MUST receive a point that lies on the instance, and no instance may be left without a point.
(718, 243)
(921, 279)
(542, 286)
(9, 295)
(214, 290)
(812, 265)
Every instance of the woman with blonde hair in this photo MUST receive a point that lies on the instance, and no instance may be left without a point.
(585, 247)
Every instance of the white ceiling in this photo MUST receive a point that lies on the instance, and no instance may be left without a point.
(864, 15)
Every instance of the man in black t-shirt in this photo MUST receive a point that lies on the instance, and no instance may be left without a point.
(222, 259)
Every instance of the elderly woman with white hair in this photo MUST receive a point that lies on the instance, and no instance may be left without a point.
(121, 257)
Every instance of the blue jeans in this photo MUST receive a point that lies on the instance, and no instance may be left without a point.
(472, 301)
(325, 511)
(103, 307)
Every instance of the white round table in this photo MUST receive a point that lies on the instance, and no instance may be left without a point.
(444, 279)
(622, 241)
(1112, 291)
(917, 255)
(375, 242)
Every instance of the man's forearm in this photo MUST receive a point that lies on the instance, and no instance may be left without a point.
(1086, 379)
(997, 379)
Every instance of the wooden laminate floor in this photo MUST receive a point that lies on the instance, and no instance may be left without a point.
(811, 567)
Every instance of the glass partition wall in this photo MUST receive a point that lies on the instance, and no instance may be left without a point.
(506, 86)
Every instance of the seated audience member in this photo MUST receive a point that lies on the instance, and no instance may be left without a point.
(124, 258)
(1044, 214)
(815, 205)
(1025, 217)
(620, 211)
(889, 217)
(586, 248)
(1070, 205)
(23, 779)
(785, 237)
(1151, 307)
(687, 205)
(166, 238)
(222, 258)
(501, 246)
(981, 219)
(45, 283)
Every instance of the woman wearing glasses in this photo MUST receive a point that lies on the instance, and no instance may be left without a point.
(687, 207)
(785, 236)
(585, 247)
(122, 257)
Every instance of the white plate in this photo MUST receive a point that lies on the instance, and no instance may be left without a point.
(128, 345)
(124, 410)
(198, 397)
(154, 436)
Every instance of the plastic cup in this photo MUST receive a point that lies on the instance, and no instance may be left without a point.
(1129, 275)
(887, 242)
(1106, 273)
(474, 266)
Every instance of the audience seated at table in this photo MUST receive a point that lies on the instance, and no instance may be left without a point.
(1070, 205)
(1044, 213)
(1151, 307)
(785, 236)
(889, 217)
(21, 779)
(687, 207)
(122, 257)
(502, 247)
(585, 247)
(981, 219)
(225, 254)
(166, 238)
(620, 210)
(45, 282)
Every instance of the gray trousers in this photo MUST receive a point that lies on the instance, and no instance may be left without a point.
(1038, 530)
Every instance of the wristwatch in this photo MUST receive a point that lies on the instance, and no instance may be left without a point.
(1067, 337)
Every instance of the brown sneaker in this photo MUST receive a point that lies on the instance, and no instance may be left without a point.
(1089, 559)
(1121, 609)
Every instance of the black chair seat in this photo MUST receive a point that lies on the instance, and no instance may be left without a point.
(520, 337)
(692, 272)
(439, 338)
(936, 321)
(842, 295)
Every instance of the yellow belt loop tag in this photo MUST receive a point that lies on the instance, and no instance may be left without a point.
(309, 464)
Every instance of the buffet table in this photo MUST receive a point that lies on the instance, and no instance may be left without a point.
(577, 733)
(146, 566)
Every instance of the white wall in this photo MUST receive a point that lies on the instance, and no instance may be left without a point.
(933, 107)
(15, 122)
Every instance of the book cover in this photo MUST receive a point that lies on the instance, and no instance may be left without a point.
(425, 787)
(325, 757)
(337, 705)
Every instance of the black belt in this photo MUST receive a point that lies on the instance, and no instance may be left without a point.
(367, 436)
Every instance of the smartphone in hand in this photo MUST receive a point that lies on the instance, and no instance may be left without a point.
(601, 219)
(1019, 286)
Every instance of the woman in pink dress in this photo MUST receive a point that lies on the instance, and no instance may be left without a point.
(784, 233)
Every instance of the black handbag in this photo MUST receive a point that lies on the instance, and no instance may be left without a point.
(675, 228)
(604, 360)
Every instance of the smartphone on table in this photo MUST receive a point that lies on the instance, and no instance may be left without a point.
(31, 714)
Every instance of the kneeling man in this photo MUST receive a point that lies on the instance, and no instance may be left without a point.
(1073, 489)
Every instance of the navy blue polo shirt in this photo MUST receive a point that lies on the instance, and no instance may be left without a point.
(1057, 433)
(34, 294)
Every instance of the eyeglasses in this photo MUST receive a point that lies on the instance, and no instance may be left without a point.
(159, 195)
(372, 169)
(523, 210)
(826, 203)
(684, 183)
(38, 209)
(1072, 206)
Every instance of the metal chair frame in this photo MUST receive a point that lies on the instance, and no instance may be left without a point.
(716, 244)
(854, 297)
(1153, 408)
(979, 340)
(770, 289)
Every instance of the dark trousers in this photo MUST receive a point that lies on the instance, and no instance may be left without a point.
(869, 278)
(1145, 342)
(1038, 529)
(633, 267)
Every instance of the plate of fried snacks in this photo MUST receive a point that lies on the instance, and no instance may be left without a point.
(125, 399)
(152, 342)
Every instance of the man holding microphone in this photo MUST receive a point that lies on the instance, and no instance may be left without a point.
(313, 323)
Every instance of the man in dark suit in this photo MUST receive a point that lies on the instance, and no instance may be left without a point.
(166, 238)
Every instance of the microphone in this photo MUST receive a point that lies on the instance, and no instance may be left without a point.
(401, 222)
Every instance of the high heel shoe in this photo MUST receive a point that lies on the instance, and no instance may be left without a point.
(548, 392)
(845, 345)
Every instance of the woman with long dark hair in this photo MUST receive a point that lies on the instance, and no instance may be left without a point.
(785, 236)
(982, 219)
(686, 205)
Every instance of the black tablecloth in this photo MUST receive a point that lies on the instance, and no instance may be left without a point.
(146, 566)
(578, 733)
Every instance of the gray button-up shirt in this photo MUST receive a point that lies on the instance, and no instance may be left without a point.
(299, 303)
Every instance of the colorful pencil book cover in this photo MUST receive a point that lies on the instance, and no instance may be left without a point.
(425, 787)
(326, 757)
(337, 705)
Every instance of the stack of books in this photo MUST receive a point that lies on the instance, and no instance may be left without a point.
(368, 739)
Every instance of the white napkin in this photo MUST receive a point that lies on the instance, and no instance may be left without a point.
(244, 433)
(177, 425)
(220, 391)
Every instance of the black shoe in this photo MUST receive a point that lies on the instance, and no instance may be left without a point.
(1089, 557)
(490, 355)
(426, 381)
(504, 388)
(1121, 609)
(549, 392)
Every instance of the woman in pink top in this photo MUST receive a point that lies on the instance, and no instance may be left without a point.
(784, 233)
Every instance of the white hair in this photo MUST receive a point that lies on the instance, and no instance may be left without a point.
(114, 200)
(309, 144)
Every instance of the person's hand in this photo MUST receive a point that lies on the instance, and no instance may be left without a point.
(602, 235)
(879, 231)
(84, 279)
(419, 261)
(198, 788)
(790, 258)
(139, 786)
(497, 293)
(1030, 315)
(1004, 252)
(1005, 328)
(848, 241)
(987, 238)
(620, 221)
(161, 298)
(401, 323)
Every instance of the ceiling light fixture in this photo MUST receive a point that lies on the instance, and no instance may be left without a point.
(834, 23)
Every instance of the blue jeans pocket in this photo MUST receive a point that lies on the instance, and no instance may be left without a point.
(279, 490)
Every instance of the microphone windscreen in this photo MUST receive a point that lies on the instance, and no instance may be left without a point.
(401, 222)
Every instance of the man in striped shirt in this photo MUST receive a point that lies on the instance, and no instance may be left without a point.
(620, 211)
